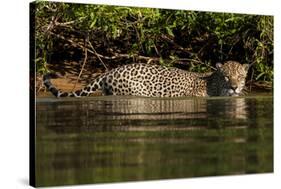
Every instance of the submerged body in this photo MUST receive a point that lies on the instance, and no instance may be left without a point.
(158, 81)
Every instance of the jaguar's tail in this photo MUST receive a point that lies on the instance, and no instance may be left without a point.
(86, 91)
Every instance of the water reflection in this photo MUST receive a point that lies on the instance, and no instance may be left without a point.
(111, 113)
(108, 139)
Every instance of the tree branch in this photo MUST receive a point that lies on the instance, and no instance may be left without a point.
(84, 62)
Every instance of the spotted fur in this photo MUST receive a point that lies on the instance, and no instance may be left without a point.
(158, 81)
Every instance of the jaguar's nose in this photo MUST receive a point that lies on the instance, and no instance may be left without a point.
(234, 87)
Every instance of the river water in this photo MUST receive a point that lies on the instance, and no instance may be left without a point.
(115, 139)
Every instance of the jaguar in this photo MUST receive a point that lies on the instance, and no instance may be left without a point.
(151, 80)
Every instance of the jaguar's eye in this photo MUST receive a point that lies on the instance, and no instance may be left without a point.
(241, 77)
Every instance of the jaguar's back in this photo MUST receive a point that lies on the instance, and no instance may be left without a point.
(157, 81)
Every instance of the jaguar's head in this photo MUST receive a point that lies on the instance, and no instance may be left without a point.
(232, 76)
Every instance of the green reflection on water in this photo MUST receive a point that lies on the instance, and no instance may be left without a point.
(113, 139)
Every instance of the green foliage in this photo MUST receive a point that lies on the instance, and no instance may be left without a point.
(196, 40)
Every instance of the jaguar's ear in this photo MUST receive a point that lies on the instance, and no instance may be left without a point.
(246, 67)
(219, 65)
